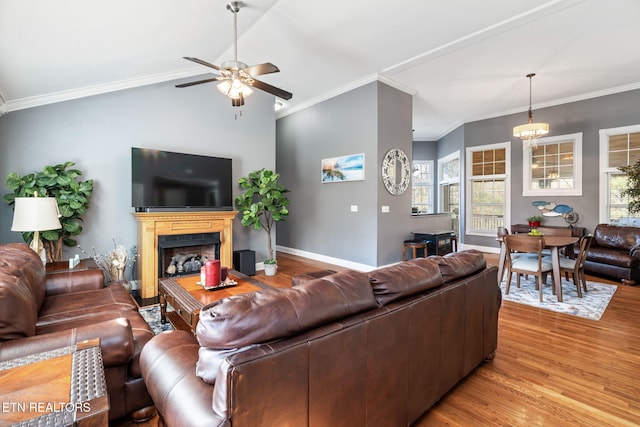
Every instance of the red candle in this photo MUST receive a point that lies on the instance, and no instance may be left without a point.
(212, 269)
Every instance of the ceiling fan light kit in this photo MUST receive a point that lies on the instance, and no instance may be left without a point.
(237, 79)
(530, 131)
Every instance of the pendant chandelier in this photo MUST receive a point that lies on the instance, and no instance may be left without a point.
(530, 132)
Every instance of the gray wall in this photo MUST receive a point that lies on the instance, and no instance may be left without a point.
(370, 120)
(97, 133)
(394, 127)
(588, 117)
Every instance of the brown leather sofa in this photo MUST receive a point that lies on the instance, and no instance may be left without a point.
(351, 348)
(41, 312)
(615, 252)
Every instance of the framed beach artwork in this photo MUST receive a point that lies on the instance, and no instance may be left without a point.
(343, 168)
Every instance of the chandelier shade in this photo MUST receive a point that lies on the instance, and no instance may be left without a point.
(530, 131)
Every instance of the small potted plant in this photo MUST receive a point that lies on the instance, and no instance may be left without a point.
(534, 221)
(263, 204)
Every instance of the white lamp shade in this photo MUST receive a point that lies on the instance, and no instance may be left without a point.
(35, 214)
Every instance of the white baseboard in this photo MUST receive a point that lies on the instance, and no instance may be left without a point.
(330, 260)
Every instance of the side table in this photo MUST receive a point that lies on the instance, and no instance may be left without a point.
(63, 266)
(62, 387)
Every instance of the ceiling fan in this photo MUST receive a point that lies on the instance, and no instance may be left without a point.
(237, 79)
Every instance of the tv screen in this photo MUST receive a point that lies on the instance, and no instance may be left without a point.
(164, 180)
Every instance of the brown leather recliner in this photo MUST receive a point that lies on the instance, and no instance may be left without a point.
(614, 252)
(40, 312)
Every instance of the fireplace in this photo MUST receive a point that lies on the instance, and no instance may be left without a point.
(151, 225)
(182, 254)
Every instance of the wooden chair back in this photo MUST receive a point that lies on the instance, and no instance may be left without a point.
(585, 244)
(522, 242)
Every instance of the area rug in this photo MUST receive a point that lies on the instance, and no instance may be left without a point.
(151, 314)
(591, 306)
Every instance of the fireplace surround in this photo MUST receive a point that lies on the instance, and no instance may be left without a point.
(154, 224)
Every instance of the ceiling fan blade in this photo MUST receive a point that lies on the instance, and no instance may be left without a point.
(271, 89)
(205, 63)
(260, 69)
(200, 82)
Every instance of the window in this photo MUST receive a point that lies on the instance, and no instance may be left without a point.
(449, 186)
(488, 188)
(553, 167)
(422, 187)
(618, 147)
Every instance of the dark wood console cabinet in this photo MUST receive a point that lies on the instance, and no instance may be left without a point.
(525, 228)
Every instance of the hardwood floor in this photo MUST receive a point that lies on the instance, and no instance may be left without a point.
(550, 369)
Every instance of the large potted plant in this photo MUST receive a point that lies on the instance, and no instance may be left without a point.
(262, 205)
(72, 195)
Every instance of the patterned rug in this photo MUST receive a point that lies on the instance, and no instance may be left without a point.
(151, 313)
(591, 306)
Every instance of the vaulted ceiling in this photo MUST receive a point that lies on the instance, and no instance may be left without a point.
(462, 60)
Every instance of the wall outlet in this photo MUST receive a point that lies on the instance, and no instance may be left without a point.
(385, 209)
(354, 208)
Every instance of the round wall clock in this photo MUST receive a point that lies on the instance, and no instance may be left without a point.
(396, 171)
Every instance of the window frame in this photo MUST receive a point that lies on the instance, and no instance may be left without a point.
(528, 190)
(607, 172)
(430, 184)
(441, 181)
(470, 179)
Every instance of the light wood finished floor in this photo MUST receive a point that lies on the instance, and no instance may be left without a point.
(550, 369)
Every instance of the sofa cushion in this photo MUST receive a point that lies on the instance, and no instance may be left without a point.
(459, 264)
(22, 287)
(404, 279)
(311, 275)
(616, 237)
(78, 305)
(267, 315)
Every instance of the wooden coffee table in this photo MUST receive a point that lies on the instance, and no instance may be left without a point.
(187, 297)
(60, 387)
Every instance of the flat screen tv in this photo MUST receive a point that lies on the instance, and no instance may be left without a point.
(164, 181)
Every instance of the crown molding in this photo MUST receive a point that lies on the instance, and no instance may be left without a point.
(51, 98)
(380, 77)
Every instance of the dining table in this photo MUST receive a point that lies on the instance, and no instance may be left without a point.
(552, 242)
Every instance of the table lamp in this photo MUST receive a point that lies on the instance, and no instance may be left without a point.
(36, 214)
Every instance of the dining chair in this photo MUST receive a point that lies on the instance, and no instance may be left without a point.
(575, 267)
(536, 265)
(503, 231)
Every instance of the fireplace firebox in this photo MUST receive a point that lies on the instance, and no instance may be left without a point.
(181, 254)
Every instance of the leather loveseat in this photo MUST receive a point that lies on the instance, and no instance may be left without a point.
(41, 312)
(615, 252)
(351, 348)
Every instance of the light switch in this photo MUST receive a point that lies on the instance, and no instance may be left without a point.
(354, 208)
(385, 209)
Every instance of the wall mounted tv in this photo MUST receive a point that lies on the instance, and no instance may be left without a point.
(166, 181)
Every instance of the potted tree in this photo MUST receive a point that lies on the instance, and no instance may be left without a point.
(262, 205)
(632, 191)
(72, 195)
(535, 221)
